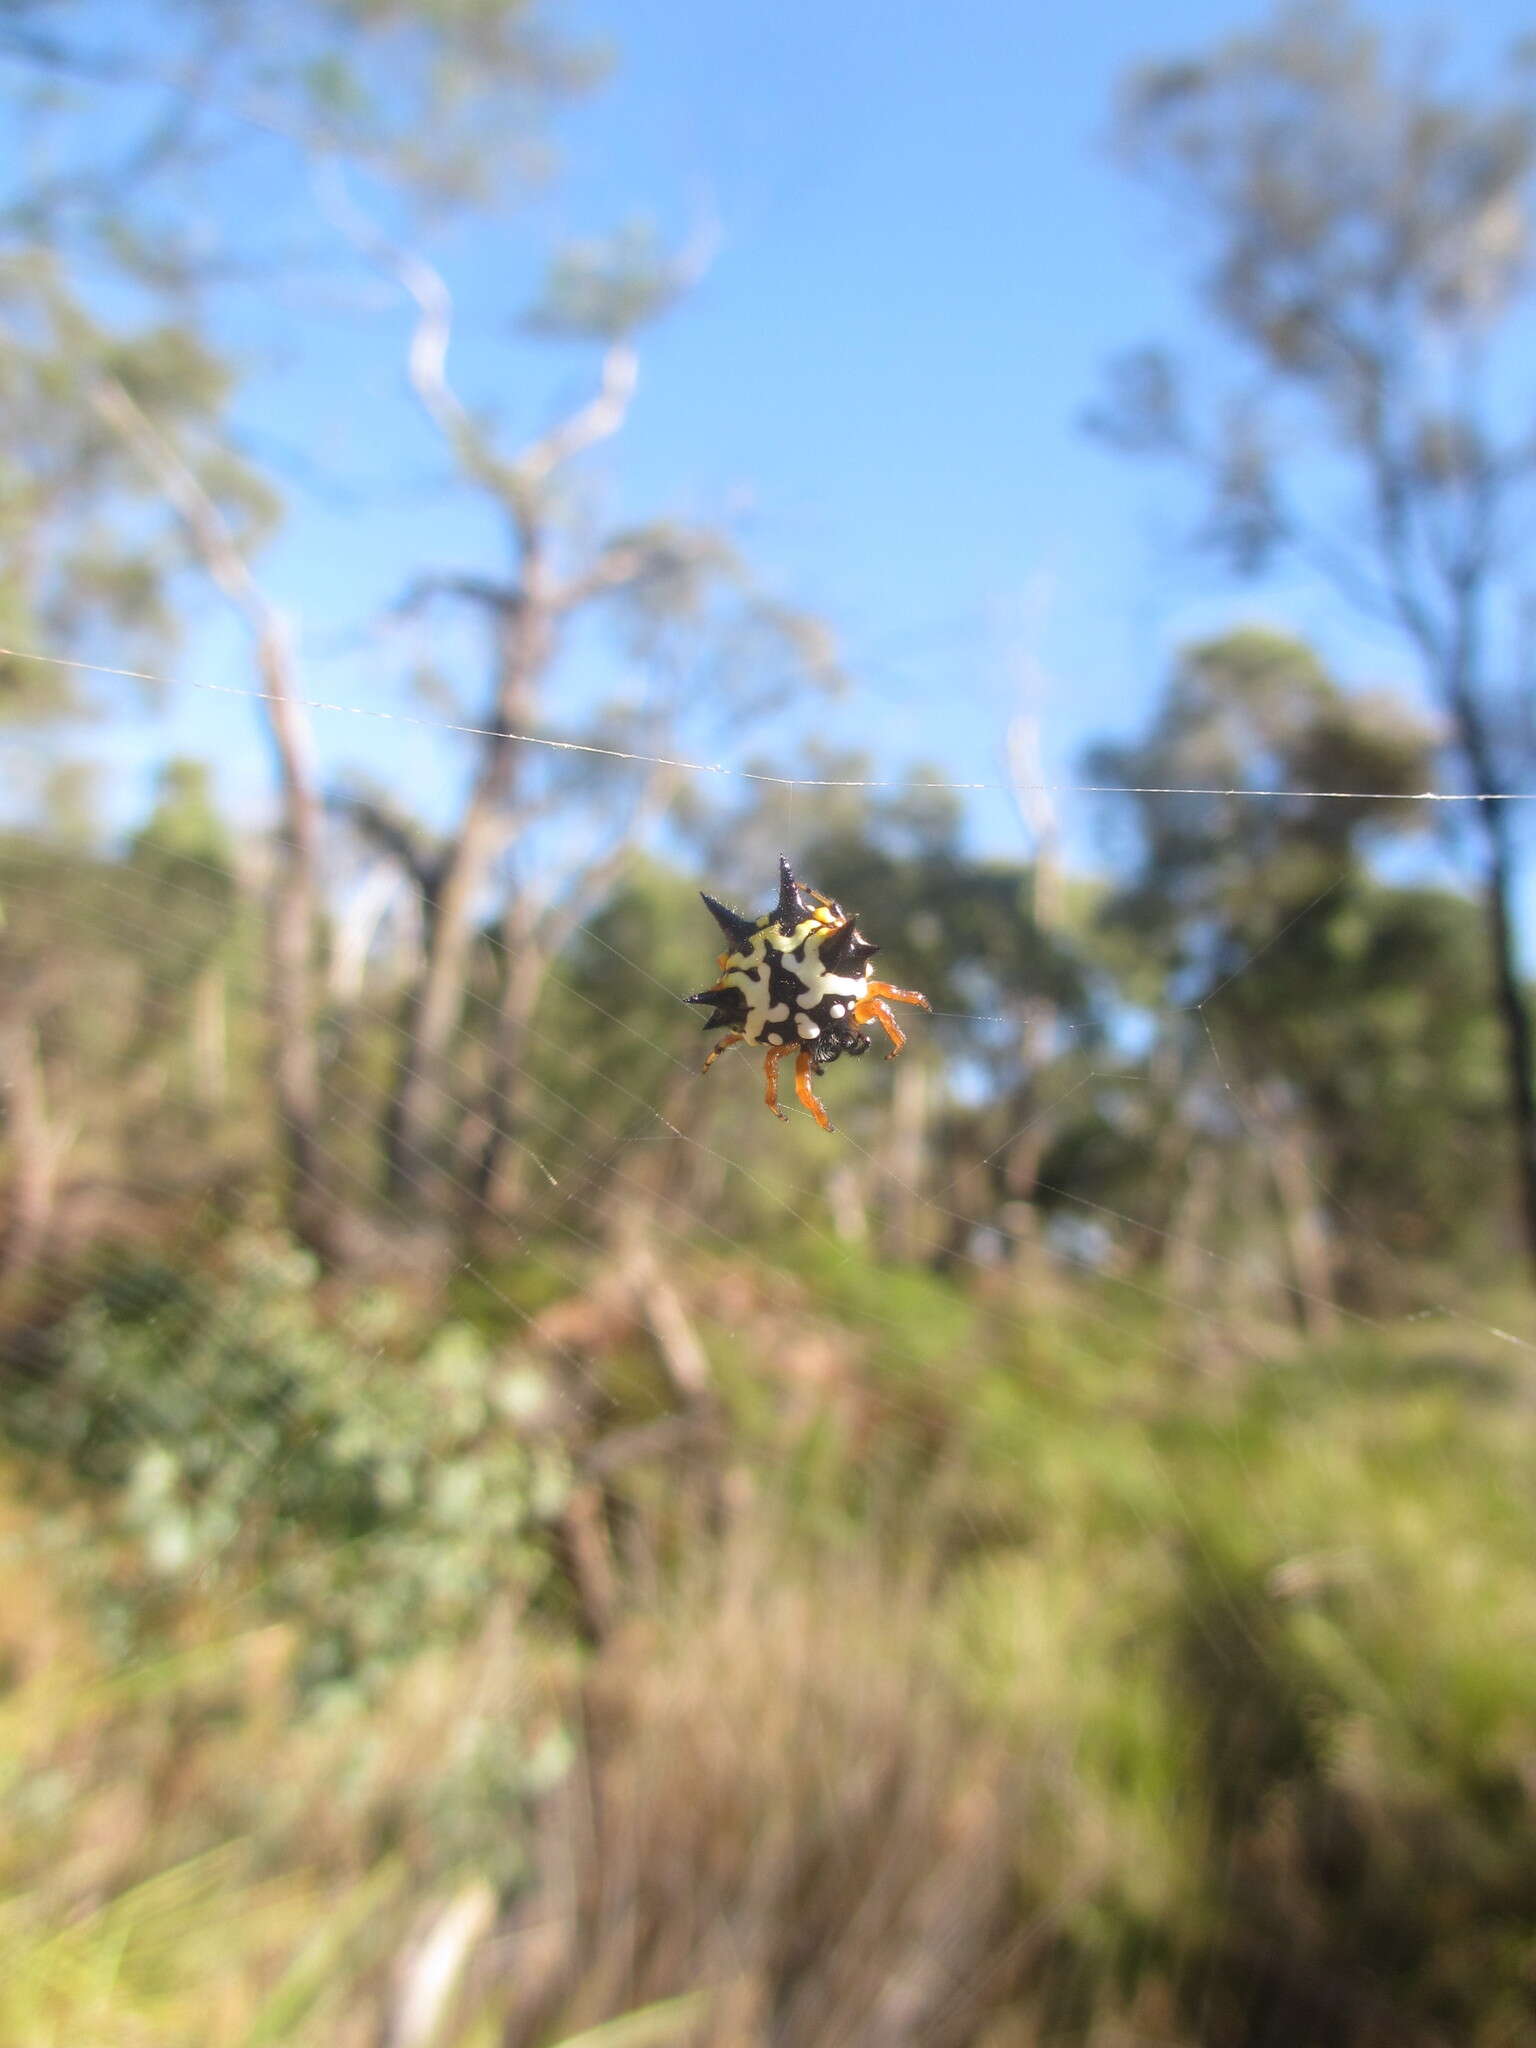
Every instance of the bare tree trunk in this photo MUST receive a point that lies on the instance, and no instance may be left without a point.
(526, 620)
(1192, 1215)
(583, 1546)
(1026, 1151)
(435, 999)
(632, 1271)
(848, 1201)
(34, 1150)
(296, 892)
(210, 1038)
(494, 1180)
(1037, 807)
(906, 1152)
(291, 984)
(1306, 1241)
(1511, 997)
(354, 927)
(524, 642)
(531, 941)
(1514, 1006)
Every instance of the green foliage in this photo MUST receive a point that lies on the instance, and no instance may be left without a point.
(135, 979)
(605, 290)
(112, 261)
(1356, 213)
(1338, 1007)
(1215, 874)
(383, 1488)
(1276, 1626)
(86, 542)
(915, 1318)
(1361, 221)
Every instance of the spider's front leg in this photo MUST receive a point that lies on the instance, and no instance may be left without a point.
(804, 1067)
(875, 1006)
(871, 1010)
(724, 1045)
(898, 995)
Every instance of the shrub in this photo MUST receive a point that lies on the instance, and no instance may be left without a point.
(381, 1491)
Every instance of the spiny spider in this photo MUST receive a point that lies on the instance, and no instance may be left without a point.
(798, 978)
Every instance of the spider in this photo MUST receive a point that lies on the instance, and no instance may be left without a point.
(797, 979)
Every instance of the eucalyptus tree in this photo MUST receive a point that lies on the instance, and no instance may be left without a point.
(1325, 1058)
(1357, 403)
(555, 800)
(126, 235)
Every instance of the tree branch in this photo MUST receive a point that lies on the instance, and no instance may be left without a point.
(516, 479)
(598, 420)
(502, 598)
(397, 837)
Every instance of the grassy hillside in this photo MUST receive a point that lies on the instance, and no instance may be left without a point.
(954, 1666)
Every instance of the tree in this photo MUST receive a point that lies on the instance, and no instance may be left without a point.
(183, 860)
(700, 643)
(117, 253)
(114, 973)
(1307, 1003)
(1367, 231)
(112, 392)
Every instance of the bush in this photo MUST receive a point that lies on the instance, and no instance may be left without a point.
(381, 1491)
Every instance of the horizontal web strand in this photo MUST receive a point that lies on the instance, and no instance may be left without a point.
(531, 739)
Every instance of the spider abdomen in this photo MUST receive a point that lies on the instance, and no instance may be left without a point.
(797, 979)
(786, 996)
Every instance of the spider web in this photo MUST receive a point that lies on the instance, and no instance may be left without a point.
(609, 1126)
(789, 782)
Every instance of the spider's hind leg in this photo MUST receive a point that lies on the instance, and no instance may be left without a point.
(771, 1075)
(804, 1068)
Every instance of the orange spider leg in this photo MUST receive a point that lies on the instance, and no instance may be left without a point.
(731, 1038)
(804, 1090)
(771, 1072)
(898, 995)
(868, 1008)
(876, 1003)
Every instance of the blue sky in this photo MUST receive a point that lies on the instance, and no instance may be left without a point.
(925, 257)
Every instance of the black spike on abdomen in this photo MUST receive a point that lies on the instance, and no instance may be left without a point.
(739, 930)
(793, 906)
(845, 950)
(729, 1012)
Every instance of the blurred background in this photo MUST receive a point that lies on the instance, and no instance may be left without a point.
(503, 1544)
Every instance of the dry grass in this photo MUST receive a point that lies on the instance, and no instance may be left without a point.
(780, 1801)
